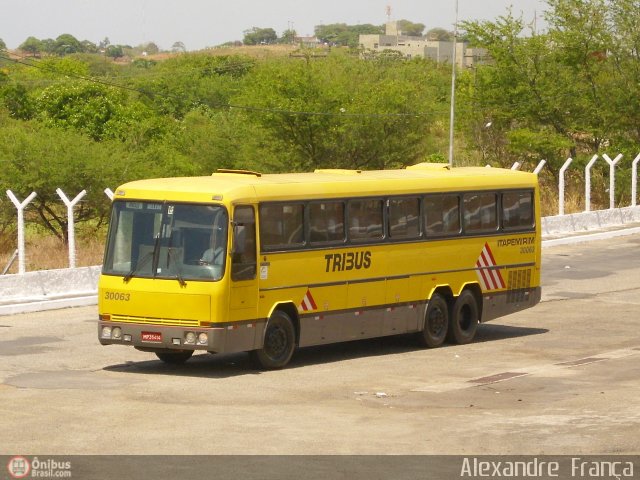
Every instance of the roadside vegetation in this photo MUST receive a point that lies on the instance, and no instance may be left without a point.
(75, 116)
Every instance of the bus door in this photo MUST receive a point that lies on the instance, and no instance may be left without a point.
(243, 296)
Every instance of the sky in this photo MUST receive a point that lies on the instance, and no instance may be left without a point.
(204, 23)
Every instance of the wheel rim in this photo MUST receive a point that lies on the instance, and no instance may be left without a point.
(437, 322)
(276, 342)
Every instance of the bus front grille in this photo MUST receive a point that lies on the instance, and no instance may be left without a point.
(176, 322)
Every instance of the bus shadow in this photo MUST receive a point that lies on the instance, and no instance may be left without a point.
(490, 332)
(238, 364)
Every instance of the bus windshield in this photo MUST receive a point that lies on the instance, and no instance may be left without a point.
(167, 241)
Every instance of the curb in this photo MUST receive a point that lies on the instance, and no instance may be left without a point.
(44, 305)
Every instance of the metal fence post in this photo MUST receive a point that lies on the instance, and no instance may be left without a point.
(20, 206)
(587, 183)
(540, 167)
(612, 178)
(634, 180)
(516, 166)
(561, 186)
(71, 223)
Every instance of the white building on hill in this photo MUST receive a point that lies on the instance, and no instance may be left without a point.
(411, 47)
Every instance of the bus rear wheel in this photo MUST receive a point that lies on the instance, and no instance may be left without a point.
(175, 358)
(279, 343)
(436, 322)
(464, 319)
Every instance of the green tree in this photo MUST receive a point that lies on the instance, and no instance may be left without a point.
(439, 34)
(35, 158)
(3, 46)
(31, 45)
(187, 82)
(345, 35)
(343, 112)
(17, 101)
(66, 44)
(410, 28)
(56, 68)
(554, 82)
(288, 37)
(258, 36)
(95, 110)
(213, 139)
(49, 46)
(114, 51)
(150, 47)
(88, 47)
(104, 43)
(178, 47)
(624, 57)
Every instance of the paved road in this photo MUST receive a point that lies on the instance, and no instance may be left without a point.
(569, 374)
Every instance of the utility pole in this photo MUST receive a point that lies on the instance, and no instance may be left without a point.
(453, 88)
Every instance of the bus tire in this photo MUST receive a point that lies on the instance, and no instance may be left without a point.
(464, 319)
(175, 358)
(436, 322)
(279, 343)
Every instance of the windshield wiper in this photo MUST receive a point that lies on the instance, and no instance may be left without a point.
(144, 261)
(170, 257)
(139, 265)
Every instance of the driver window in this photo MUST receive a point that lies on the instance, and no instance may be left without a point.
(244, 260)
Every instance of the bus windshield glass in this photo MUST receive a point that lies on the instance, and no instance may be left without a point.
(167, 241)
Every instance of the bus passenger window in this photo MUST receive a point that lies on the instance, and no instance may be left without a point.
(404, 218)
(442, 215)
(365, 220)
(281, 226)
(480, 212)
(517, 210)
(326, 222)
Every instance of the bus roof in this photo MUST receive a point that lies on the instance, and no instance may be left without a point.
(239, 186)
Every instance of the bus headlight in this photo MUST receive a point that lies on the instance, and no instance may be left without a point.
(106, 332)
(190, 338)
(116, 333)
(203, 339)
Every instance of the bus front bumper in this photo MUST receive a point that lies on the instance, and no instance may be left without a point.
(223, 338)
(159, 338)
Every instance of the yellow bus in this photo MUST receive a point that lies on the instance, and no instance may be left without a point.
(241, 261)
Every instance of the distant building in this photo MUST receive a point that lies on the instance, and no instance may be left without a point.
(308, 42)
(412, 47)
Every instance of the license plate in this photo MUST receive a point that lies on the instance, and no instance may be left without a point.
(155, 337)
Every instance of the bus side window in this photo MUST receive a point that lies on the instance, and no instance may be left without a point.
(365, 220)
(480, 212)
(442, 215)
(404, 217)
(517, 210)
(244, 258)
(326, 222)
(281, 225)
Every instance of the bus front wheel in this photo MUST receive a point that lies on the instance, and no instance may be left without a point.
(464, 319)
(175, 358)
(279, 343)
(436, 322)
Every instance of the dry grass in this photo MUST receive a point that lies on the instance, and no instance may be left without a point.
(45, 252)
(574, 197)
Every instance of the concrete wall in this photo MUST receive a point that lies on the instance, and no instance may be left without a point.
(48, 289)
(589, 221)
